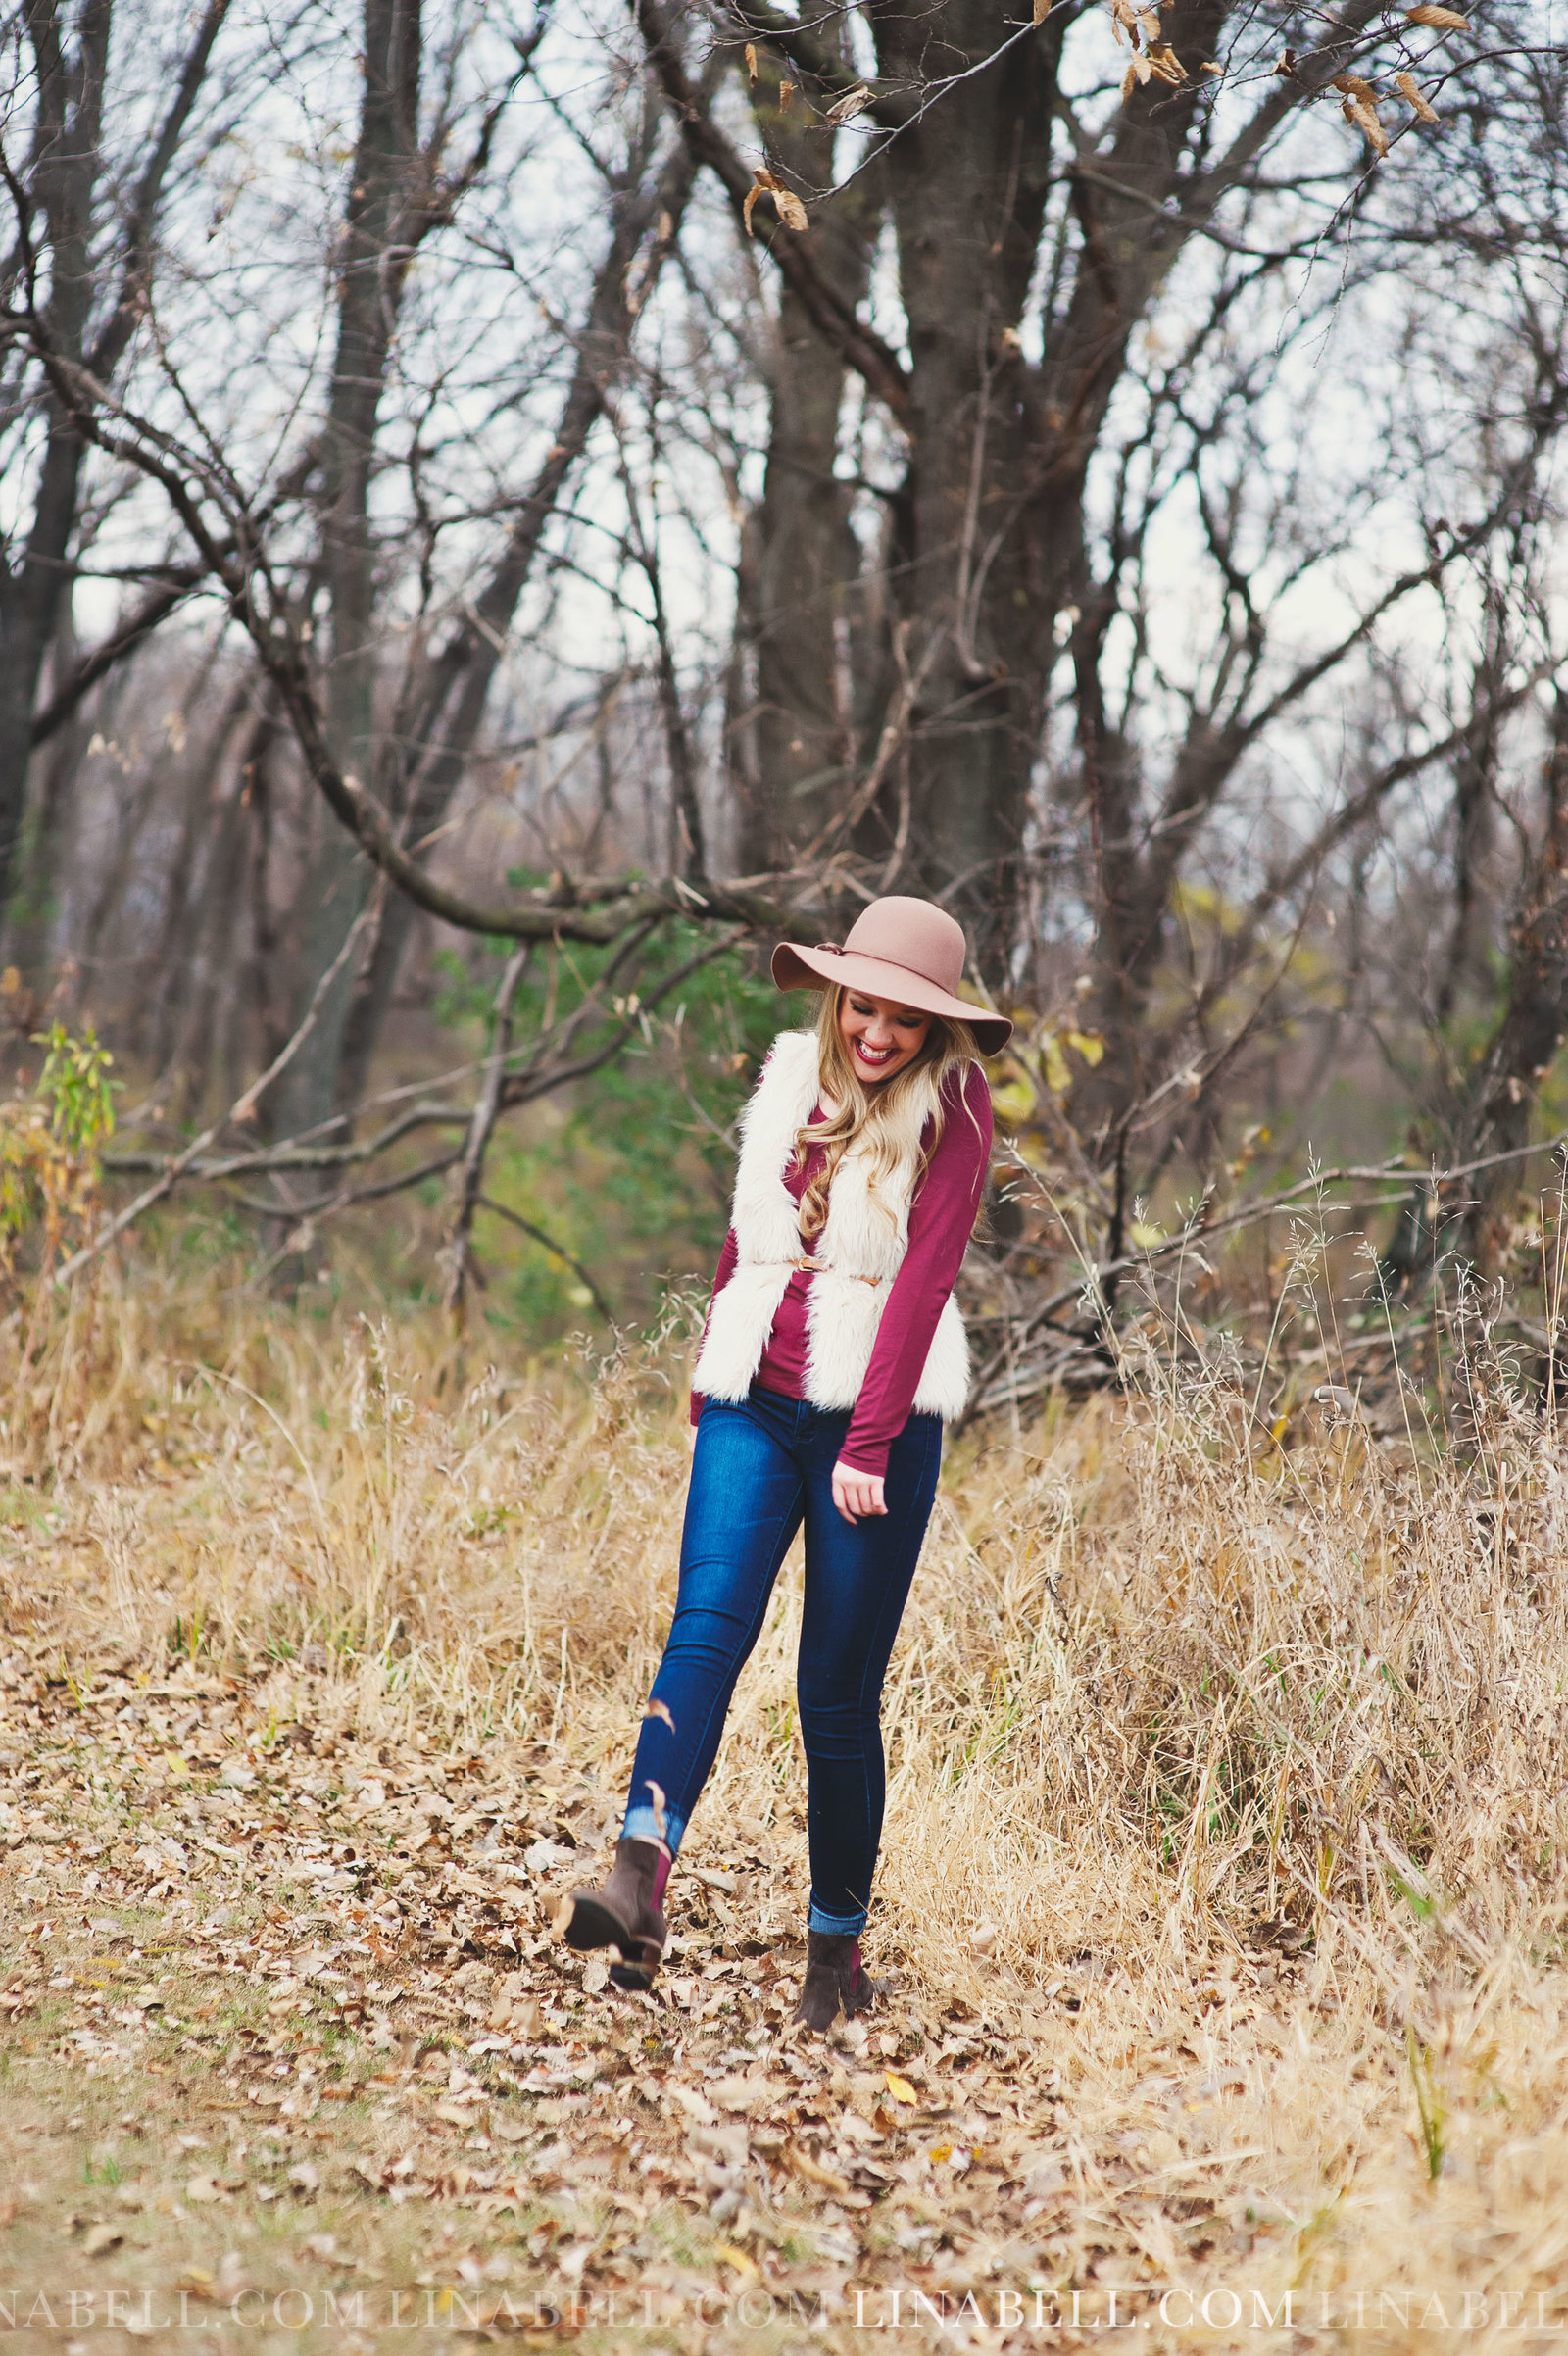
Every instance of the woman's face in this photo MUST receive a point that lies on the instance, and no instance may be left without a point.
(879, 1035)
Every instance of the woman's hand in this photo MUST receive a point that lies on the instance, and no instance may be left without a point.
(856, 1493)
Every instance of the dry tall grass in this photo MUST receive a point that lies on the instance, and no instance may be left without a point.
(1250, 1748)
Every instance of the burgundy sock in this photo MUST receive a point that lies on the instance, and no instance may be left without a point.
(660, 1877)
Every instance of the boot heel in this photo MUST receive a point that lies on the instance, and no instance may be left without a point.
(638, 1967)
(622, 1913)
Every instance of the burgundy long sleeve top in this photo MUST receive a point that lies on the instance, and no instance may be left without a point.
(942, 1218)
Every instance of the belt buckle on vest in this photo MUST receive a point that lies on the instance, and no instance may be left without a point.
(822, 1267)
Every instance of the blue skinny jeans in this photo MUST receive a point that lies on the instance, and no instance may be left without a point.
(759, 1469)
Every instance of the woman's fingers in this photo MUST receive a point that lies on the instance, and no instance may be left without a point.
(856, 1493)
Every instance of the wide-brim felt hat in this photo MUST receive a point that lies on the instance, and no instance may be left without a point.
(907, 950)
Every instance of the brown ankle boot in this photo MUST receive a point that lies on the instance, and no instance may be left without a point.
(835, 1976)
(624, 1913)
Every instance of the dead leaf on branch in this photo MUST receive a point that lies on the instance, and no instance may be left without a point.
(1353, 86)
(845, 109)
(1410, 91)
(1365, 119)
(786, 204)
(786, 92)
(1163, 61)
(1437, 20)
(751, 62)
(1160, 64)
(1042, 10)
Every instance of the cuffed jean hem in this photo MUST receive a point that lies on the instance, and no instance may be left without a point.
(643, 1824)
(835, 1926)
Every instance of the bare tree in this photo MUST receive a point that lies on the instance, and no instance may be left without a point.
(81, 257)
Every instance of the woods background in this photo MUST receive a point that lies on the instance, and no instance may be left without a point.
(504, 514)
(506, 511)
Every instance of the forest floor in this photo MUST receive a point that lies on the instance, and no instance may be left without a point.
(310, 2056)
(318, 1685)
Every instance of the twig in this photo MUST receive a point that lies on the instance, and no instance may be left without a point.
(488, 1203)
(240, 1110)
(1196, 1230)
(482, 1127)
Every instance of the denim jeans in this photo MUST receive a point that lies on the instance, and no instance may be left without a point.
(759, 1470)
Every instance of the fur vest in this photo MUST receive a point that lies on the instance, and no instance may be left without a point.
(855, 1255)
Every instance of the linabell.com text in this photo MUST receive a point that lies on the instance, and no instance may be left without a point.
(887, 2308)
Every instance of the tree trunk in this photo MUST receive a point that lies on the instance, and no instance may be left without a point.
(1493, 1116)
(802, 608)
(70, 90)
(1535, 1020)
(967, 186)
(67, 164)
(371, 274)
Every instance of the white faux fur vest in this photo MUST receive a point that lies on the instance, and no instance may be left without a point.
(858, 1251)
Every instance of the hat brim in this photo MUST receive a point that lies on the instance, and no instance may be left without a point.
(819, 969)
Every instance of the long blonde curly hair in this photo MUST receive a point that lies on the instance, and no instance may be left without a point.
(946, 1050)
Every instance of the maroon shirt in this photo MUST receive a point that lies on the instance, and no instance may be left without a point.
(942, 1218)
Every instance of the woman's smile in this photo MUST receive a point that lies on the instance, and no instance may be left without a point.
(874, 1057)
(881, 1036)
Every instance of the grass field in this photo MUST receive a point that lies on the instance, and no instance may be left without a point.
(1222, 1887)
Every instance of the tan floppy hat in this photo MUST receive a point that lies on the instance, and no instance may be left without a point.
(908, 951)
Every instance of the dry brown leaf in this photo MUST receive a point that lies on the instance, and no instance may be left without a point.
(737, 2258)
(1437, 20)
(786, 92)
(751, 62)
(1356, 112)
(1129, 84)
(900, 2088)
(99, 2241)
(853, 103)
(815, 2174)
(1409, 90)
(1042, 10)
(790, 210)
(1353, 86)
(1163, 61)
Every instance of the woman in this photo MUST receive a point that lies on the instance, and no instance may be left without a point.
(832, 1355)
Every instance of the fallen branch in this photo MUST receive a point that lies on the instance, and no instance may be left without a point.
(1094, 1275)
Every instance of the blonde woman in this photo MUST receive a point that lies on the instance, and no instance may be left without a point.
(833, 1353)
